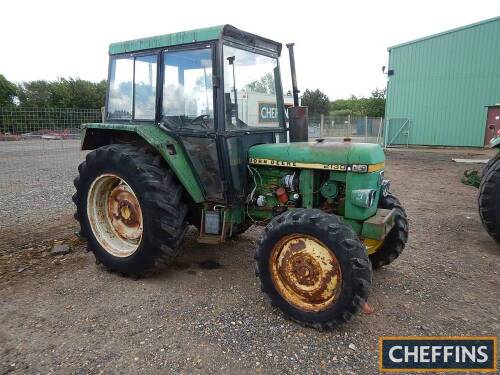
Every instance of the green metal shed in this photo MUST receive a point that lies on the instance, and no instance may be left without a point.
(440, 87)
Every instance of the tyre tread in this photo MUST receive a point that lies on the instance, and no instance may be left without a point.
(163, 196)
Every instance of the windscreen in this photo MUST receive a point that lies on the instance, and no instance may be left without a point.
(252, 90)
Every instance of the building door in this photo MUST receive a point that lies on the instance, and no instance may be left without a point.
(492, 124)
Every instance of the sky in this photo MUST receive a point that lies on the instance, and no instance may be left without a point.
(340, 46)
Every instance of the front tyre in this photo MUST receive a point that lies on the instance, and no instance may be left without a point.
(313, 267)
(386, 251)
(130, 209)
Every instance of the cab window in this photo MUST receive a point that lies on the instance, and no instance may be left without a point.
(188, 89)
(124, 92)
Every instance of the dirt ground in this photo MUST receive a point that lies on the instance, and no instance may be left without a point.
(207, 315)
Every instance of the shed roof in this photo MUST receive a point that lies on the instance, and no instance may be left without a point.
(184, 37)
(445, 32)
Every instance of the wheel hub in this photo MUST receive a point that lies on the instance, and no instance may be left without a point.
(115, 215)
(125, 213)
(305, 272)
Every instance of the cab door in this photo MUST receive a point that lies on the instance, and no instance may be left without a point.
(187, 109)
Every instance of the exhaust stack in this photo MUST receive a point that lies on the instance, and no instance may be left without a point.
(297, 115)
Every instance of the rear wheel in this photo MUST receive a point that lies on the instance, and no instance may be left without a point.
(313, 267)
(385, 252)
(130, 209)
(489, 200)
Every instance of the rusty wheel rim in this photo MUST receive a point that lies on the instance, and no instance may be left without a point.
(115, 215)
(305, 272)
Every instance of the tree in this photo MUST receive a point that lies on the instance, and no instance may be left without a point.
(378, 93)
(7, 92)
(34, 94)
(62, 93)
(317, 101)
(374, 106)
(264, 85)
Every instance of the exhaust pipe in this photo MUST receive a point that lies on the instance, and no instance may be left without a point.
(297, 115)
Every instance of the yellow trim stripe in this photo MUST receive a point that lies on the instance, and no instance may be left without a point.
(293, 164)
(376, 167)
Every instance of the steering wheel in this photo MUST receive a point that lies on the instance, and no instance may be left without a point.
(201, 120)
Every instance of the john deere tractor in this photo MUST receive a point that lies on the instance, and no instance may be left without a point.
(489, 193)
(197, 133)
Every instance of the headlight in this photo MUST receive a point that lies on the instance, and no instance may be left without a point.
(363, 197)
(360, 168)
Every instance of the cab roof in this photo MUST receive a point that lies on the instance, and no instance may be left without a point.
(192, 36)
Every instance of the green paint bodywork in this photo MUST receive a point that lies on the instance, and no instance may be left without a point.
(320, 152)
(159, 140)
(167, 40)
(356, 181)
(307, 187)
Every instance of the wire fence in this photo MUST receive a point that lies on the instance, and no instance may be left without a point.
(46, 137)
(39, 157)
(358, 128)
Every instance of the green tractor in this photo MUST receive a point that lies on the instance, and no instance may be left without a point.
(196, 133)
(489, 193)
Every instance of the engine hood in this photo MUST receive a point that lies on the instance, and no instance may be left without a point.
(321, 154)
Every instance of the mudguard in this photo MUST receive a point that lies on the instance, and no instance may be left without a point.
(169, 148)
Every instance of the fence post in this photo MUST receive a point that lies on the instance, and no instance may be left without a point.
(349, 131)
(103, 113)
(321, 124)
(366, 129)
(386, 131)
(380, 130)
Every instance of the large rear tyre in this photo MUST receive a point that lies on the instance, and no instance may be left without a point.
(489, 200)
(130, 209)
(394, 243)
(313, 267)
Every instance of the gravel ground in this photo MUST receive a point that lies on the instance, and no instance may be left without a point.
(36, 181)
(206, 314)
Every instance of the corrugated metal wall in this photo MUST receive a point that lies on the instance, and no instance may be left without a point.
(443, 83)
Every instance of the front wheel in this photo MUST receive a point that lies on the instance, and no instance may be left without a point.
(313, 267)
(385, 252)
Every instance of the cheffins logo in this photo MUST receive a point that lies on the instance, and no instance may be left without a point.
(444, 354)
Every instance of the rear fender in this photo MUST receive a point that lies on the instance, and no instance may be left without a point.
(100, 134)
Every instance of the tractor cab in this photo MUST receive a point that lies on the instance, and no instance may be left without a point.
(217, 91)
